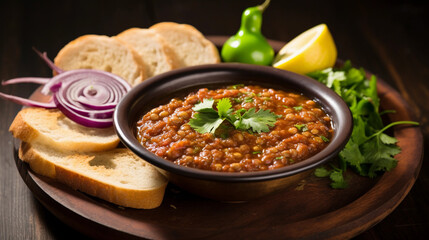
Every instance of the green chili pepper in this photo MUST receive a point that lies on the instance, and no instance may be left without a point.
(249, 45)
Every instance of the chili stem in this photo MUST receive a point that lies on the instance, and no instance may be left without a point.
(264, 5)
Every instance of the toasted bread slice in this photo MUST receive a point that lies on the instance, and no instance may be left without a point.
(189, 45)
(117, 176)
(102, 53)
(53, 128)
(157, 56)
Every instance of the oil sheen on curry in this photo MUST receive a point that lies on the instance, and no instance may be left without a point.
(236, 129)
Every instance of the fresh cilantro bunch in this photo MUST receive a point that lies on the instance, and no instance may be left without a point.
(369, 151)
(207, 119)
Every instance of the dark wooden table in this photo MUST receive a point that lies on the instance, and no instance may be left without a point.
(388, 38)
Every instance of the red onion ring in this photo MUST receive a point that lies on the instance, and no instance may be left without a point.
(86, 96)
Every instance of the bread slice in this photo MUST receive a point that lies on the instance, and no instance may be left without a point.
(189, 45)
(53, 128)
(157, 56)
(117, 176)
(102, 53)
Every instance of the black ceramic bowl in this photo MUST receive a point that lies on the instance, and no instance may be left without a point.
(221, 185)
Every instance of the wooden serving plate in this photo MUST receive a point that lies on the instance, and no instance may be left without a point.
(309, 210)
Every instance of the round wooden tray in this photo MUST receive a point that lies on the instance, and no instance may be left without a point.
(309, 210)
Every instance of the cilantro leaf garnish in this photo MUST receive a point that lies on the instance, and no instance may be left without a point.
(322, 172)
(205, 122)
(335, 174)
(204, 106)
(298, 108)
(301, 127)
(237, 86)
(325, 139)
(259, 121)
(337, 179)
(237, 100)
(224, 108)
(207, 119)
(248, 99)
(369, 151)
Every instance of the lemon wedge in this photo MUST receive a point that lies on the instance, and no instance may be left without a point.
(312, 50)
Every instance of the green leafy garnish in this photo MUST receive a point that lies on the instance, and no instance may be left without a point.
(206, 105)
(224, 108)
(237, 100)
(205, 122)
(335, 174)
(298, 108)
(337, 179)
(325, 139)
(207, 119)
(237, 86)
(322, 172)
(248, 99)
(259, 121)
(301, 127)
(369, 151)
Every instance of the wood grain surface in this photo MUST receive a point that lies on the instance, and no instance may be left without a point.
(387, 38)
(326, 213)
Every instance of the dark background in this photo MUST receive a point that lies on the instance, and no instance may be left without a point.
(388, 38)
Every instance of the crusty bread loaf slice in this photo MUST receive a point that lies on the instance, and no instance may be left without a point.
(53, 128)
(117, 176)
(102, 53)
(189, 45)
(157, 56)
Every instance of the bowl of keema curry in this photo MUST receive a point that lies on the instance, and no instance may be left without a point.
(233, 132)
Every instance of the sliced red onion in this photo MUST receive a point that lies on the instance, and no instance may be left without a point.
(81, 119)
(27, 102)
(48, 61)
(86, 96)
(26, 80)
(90, 93)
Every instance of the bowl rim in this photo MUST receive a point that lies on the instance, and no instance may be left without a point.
(337, 143)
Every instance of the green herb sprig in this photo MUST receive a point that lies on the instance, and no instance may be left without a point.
(207, 119)
(369, 151)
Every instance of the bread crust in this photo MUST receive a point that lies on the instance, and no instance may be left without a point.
(78, 156)
(73, 177)
(152, 48)
(186, 31)
(89, 52)
(21, 130)
(51, 127)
